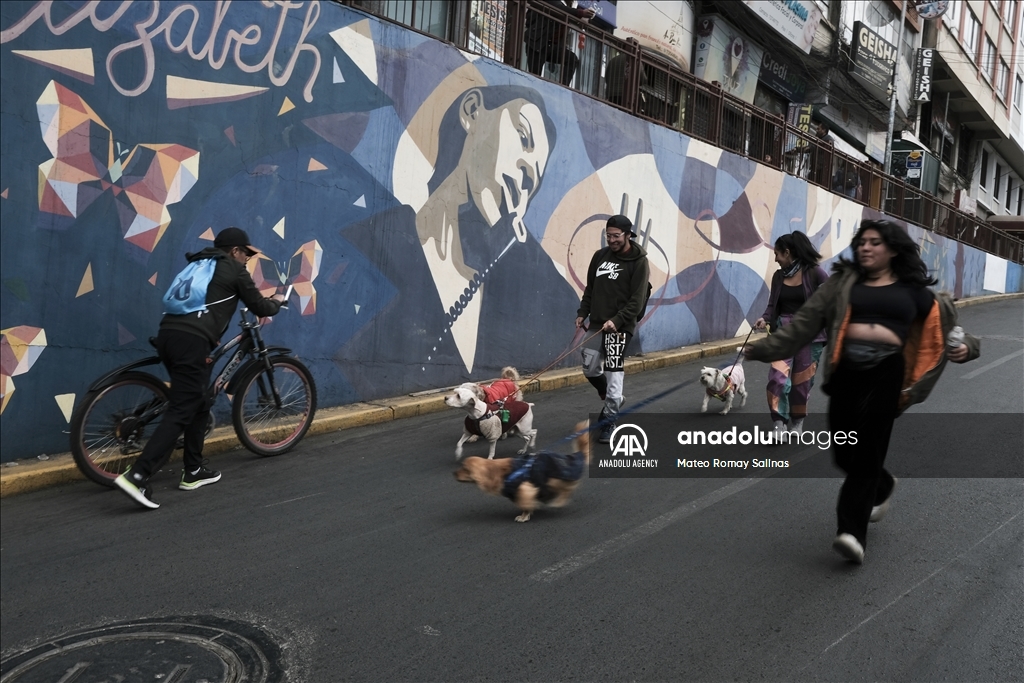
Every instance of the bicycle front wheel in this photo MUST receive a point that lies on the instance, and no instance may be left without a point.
(111, 426)
(264, 425)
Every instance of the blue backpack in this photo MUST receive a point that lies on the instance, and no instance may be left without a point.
(187, 294)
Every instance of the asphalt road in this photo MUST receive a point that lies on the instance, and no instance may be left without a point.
(366, 560)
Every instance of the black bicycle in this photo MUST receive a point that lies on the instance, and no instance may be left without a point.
(272, 394)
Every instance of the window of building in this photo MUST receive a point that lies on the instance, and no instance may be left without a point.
(429, 16)
(997, 181)
(972, 34)
(1008, 192)
(988, 62)
(952, 16)
(1002, 77)
(983, 180)
(1018, 92)
(1009, 13)
(1020, 200)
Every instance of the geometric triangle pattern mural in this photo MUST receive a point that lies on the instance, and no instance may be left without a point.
(87, 163)
(300, 271)
(77, 63)
(20, 348)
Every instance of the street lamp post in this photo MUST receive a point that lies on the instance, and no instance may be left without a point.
(895, 89)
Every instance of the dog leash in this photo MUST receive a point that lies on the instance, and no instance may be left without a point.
(522, 383)
(642, 404)
(739, 353)
(526, 382)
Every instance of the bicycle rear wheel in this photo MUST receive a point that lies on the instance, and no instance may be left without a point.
(111, 426)
(262, 426)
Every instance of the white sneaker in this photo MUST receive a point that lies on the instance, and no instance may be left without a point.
(140, 494)
(849, 547)
(878, 512)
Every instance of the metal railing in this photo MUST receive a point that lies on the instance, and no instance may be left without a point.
(544, 40)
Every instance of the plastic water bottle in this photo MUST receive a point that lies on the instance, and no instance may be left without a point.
(955, 337)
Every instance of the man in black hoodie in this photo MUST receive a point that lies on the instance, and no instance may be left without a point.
(614, 300)
(184, 344)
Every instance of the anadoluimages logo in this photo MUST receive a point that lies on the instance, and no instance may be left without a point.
(629, 440)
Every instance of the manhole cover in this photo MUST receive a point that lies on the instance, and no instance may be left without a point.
(166, 650)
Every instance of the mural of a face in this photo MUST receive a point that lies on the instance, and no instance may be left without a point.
(504, 158)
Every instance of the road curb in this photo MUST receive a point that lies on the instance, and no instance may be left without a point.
(32, 474)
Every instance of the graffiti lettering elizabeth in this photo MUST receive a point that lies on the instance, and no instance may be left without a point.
(231, 42)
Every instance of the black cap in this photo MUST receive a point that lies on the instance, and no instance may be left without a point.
(622, 223)
(234, 237)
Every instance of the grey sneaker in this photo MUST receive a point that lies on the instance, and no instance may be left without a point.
(849, 547)
(140, 493)
(201, 477)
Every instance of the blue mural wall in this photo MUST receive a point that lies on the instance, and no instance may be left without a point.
(435, 211)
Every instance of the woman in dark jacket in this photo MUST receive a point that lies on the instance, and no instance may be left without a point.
(889, 340)
(790, 379)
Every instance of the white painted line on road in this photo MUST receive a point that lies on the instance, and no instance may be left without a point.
(910, 590)
(567, 566)
(993, 364)
(292, 500)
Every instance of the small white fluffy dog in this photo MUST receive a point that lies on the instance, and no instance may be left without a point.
(723, 385)
(467, 398)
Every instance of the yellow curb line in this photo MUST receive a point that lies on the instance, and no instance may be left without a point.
(33, 475)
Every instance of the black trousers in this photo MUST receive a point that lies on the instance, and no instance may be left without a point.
(184, 355)
(865, 402)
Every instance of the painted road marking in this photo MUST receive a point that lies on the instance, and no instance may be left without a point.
(561, 569)
(910, 590)
(292, 500)
(993, 364)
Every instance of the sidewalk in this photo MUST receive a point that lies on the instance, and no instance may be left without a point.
(32, 474)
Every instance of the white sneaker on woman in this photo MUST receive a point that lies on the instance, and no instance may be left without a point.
(849, 547)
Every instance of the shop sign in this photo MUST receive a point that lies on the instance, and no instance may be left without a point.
(923, 74)
(725, 55)
(664, 27)
(873, 58)
(795, 20)
(781, 78)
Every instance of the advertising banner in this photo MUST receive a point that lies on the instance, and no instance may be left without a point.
(796, 20)
(662, 27)
(604, 13)
(781, 78)
(725, 55)
(923, 74)
(487, 28)
(799, 117)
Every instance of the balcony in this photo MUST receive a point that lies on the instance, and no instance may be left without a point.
(621, 74)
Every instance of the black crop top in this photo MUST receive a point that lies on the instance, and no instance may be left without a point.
(894, 306)
(791, 298)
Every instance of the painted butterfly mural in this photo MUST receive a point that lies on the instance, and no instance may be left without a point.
(300, 271)
(87, 163)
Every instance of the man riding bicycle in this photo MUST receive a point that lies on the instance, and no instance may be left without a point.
(184, 343)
